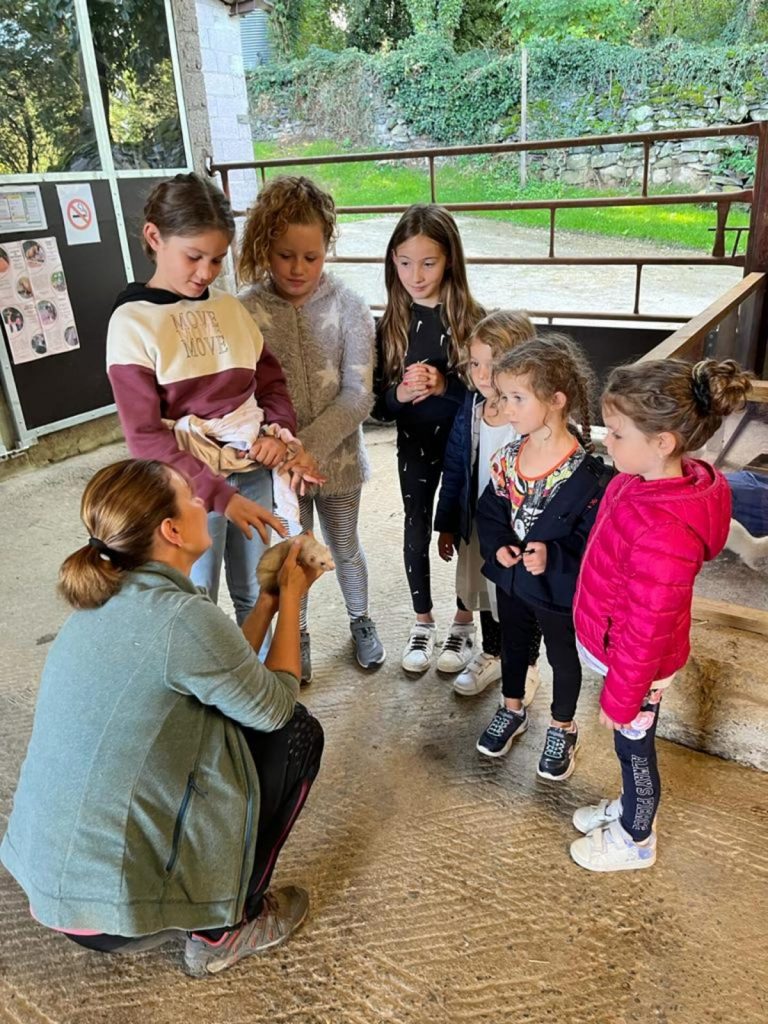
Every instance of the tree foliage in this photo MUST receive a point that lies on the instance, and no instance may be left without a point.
(439, 16)
(381, 25)
(612, 20)
(47, 122)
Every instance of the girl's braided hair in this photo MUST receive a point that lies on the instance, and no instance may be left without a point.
(552, 363)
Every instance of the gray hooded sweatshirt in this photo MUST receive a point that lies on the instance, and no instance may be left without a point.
(326, 350)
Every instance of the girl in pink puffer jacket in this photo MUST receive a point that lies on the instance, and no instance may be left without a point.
(662, 517)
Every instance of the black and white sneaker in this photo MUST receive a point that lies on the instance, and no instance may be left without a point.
(502, 731)
(417, 656)
(559, 756)
(458, 648)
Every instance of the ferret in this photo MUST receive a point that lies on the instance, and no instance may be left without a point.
(311, 553)
(753, 551)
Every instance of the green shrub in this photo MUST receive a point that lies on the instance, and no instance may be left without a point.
(576, 86)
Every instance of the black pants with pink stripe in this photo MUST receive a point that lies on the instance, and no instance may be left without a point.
(287, 762)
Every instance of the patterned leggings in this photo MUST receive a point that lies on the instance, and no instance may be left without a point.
(420, 454)
(641, 785)
(338, 515)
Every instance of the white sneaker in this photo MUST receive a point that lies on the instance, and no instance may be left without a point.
(482, 670)
(532, 683)
(585, 819)
(417, 656)
(610, 848)
(458, 648)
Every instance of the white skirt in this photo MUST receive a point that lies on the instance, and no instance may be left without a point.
(476, 592)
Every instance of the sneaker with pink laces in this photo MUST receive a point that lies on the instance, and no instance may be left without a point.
(282, 912)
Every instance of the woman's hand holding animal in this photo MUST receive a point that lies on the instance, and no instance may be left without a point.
(244, 513)
(294, 577)
(508, 556)
(269, 451)
(535, 557)
(446, 545)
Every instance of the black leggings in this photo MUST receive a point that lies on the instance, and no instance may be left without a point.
(521, 627)
(420, 455)
(287, 762)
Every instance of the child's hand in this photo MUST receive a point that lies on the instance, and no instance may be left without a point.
(535, 557)
(303, 470)
(508, 556)
(445, 546)
(426, 379)
(269, 451)
(609, 722)
(405, 393)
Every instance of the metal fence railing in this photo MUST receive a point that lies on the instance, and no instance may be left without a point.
(722, 202)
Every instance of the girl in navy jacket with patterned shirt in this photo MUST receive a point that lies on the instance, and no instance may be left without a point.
(533, 521)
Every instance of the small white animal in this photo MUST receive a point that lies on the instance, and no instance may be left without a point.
(311, 553)
(753, 551)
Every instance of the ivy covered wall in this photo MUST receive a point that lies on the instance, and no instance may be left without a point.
(424, 92)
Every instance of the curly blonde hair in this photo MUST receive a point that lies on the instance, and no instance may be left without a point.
(281, 202)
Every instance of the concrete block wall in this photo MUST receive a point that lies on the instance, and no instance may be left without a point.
(221, 64)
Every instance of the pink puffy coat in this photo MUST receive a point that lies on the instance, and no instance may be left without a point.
(632, 609)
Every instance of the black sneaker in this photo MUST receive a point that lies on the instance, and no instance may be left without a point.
(502, 731)
(559, 757)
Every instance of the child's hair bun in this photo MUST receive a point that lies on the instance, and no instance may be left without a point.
(719, 387)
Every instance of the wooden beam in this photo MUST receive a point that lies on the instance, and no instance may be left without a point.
(735, 616)
(759, 392)
(696, 330)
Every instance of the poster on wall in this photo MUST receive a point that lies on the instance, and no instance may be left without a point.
(34, 301)
(79, 213)
(21, 209)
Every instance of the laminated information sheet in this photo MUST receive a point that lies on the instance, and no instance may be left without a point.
(34, 301)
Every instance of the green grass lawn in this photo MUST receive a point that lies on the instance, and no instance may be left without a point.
(489, 179)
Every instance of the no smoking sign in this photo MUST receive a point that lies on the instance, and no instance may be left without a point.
(79, 213)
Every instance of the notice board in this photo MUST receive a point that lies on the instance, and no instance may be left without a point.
(74, 382)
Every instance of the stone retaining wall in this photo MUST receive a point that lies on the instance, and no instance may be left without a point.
(709, 164)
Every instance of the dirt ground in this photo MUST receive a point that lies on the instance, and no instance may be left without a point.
(441, 887)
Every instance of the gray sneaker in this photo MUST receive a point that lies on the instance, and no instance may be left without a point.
(283, 911)
(306, 658)
(369, 650)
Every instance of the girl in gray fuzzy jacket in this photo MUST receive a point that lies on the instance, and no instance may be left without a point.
(323, 335)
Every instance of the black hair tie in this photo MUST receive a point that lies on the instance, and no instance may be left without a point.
(101, 547)
(702, 395)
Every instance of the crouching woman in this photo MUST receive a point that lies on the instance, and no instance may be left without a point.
(167, 764)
